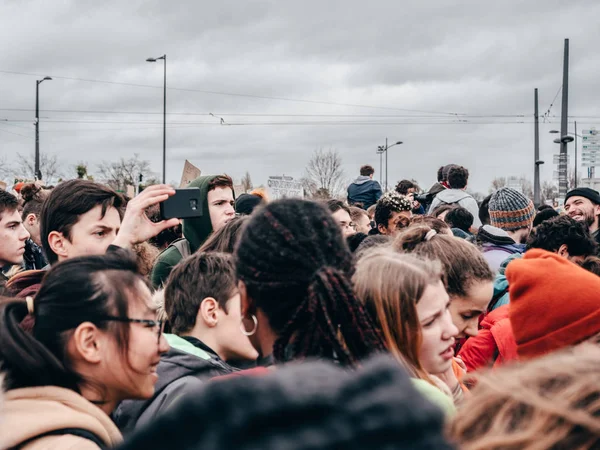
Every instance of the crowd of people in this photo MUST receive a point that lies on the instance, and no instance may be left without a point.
(392, 320)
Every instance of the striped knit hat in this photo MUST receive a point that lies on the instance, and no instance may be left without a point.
(510, 210)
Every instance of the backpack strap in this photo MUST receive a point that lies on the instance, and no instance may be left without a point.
(79, 432)
(183, 246)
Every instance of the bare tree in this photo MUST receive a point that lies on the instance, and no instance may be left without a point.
(5, 169)
(571, 179)
(497, 183)
(526, 187)
(50, 166)
(247, 182)
(324, 174)
(549, 191)
(126, 172)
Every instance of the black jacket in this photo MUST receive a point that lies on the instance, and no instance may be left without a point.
(179, 373)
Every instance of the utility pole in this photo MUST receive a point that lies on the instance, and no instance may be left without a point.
(562, 167)
(386, 164)
(536, 152)
(575, 154)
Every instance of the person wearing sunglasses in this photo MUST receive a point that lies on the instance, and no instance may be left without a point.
(96, 341)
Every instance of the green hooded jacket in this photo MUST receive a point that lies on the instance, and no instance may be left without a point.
(195, 231)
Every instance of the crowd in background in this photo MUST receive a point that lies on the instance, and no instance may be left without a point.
(400, 319)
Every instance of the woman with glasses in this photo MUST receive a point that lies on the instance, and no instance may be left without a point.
(96, 341)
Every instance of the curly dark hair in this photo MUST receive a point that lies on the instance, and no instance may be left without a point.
(563, 230)
(458, 177)
(403, 186)
(367, 171)
(460, 218)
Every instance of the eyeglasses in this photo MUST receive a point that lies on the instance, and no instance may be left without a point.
(347, 225)
(158, 325)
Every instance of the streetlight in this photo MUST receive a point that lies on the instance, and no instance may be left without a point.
(164, 58)
(383, 149)
(37, 174)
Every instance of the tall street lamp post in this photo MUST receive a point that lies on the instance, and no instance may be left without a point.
(38, 173)
(164, 164)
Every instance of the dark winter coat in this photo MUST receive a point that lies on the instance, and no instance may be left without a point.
(365, 191)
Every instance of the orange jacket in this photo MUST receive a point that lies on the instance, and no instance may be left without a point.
(494, 345)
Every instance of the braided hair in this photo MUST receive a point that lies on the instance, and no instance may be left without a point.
(296, 267)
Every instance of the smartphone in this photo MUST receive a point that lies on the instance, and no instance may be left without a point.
(185, 204)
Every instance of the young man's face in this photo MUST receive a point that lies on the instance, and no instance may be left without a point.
(12, 236)
(583, 210)
(220, 206)
(91, 235)
(344, 221)
(395, 222)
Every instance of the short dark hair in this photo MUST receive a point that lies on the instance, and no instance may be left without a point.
(460, 218)
(220, 181)
(484, 210)
(355, 240)
(458, 177)
(69, 200)
(553, 233)
(195, 278)
(403, 186)
(591, 264)
(440, 174)
(8, 202)
(438, 225)
(334, 206)
(543, 207)
(367, 171)
(543, 215)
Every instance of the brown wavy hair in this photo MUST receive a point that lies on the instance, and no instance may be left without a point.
(390, 285)
(547, 403)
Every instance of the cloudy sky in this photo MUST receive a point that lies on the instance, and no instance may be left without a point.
(453, 80)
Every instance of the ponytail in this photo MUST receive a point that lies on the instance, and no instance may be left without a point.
(25, 361)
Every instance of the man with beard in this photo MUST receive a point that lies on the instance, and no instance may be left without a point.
(583, 205)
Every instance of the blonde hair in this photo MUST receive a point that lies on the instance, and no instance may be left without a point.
(390, 285)
(550, 402)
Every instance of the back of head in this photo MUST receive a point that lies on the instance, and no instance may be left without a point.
(562, 230)
(446, 170)
(390, 285)
(550, 402)
(543, 215)
(591, 264)
(462, 263)
(85, 289)
(370, 243)
(438, 225)
(354, 240)
(246, 203)
(315, 405)
(294, 263)
(67, 202)
(33, 197)
(440, 174)
(510, 210)
(403, 186)
(437, 212)
(543, 286)
(367, 171)
(484, 212)
(458, 177)
(460, 218)
(224, 239)
(197, 277)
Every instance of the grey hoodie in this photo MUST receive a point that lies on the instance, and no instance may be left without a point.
(460, 198)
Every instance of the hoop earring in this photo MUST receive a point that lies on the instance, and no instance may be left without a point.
(243, 328)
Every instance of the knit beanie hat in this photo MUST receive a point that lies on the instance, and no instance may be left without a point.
(553, 303)
(510, 210)
(584, 192)
(312, 405)
(246, 203)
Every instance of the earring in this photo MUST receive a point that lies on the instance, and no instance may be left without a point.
(250, 333)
